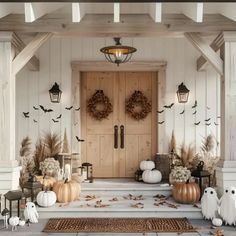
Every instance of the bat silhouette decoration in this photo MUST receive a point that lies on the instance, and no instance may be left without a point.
(197, 123)
(195, 104)
(55, 121)
(182, 112)
(207, 124)
(194, 112)
(26, 114)
(45, 110)
(35, 121)
(161, 122)
(160, 111)
(68, 108)
(35, 108)
(207, 119)
(169, 106)
(79, 140)
(77, 109)
(216, 123)
(59, 117)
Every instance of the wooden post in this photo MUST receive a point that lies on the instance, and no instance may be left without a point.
(226, 172)
(8, 163)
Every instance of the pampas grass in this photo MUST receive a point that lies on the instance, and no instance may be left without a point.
(187, 156)
(172, 146)
(52, 144)
(39, 154)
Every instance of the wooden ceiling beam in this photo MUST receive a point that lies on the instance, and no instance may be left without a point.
(116, 12)
(207, 52)
(228, 10)
(78, 12)
(19, 45)
(28, 52)
(133, 25)
(215, 45)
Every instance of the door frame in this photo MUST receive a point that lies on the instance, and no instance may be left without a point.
(88, 66)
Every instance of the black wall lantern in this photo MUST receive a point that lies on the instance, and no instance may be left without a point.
(55, 93)
(182, 93)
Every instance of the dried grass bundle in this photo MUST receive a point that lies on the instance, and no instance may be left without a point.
(65, 147)
(172, 146)
(52, 144)
(25, 149)
(39, 155)
(187, 156)
(208, 143)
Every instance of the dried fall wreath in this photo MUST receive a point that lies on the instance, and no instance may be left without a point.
(99, 106)
(138, 106)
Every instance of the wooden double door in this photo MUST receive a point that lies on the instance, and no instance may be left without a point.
(136, 140)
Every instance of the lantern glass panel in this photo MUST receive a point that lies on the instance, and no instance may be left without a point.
(182, 97)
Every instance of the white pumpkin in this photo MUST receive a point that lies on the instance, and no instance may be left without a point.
(147, 165)
(46, 198)
(22, 223)
(152, 176)
(217, 222)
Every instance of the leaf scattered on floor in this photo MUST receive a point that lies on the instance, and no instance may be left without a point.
(64, 205)
(219, 232)
(138, 205)
(164, 202)
(135, 198)
(196, 206)
(85, 205)
(160, 196)
(90, 197)
(114, 199)
(99, 204)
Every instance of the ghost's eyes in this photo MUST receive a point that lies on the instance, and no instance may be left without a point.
(226, 191)
(205, 191)
(32, 206)
(211, 192)
(233, 192)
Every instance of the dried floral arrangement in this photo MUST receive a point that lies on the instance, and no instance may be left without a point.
(49, 167)
(99, 105)
(180, 174)
(26, 161)
(138, 100)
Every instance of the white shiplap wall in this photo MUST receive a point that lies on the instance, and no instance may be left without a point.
(56, 56)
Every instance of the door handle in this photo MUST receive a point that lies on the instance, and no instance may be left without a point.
(122, 136)
(116, 136)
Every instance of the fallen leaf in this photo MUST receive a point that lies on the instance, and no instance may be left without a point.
(100, 205)
(90, 197)
(135, 198)
(114, 199)
(138, 205)
(85, 205)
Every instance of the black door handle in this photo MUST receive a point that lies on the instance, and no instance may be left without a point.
(116, 136)
(122, 136)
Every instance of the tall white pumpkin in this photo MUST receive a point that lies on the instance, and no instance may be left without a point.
(46, 198)
(147, 165)
(152, 176)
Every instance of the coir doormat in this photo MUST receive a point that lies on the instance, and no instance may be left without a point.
(118, 225)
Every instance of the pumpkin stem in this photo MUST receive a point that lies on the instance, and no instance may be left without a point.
(66, 180)
(44, 176)
(187, 182)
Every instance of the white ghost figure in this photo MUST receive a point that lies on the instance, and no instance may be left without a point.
(31, 213)
(210, 203)
(227, 208)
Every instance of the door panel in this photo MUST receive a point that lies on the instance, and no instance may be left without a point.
(139, 137)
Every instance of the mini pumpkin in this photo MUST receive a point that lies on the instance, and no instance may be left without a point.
(46, 181)
(46, 198)
(151, 176)
(147, 165)
(186, 192)
(217, 222)
(66, 191)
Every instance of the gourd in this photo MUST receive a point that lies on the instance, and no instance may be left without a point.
(217, 222)
(151, 176)
(22, 223)
(186, 192)
(46, 198)
(66, 191)
(14, 221)
(147, 165)
(46, 181)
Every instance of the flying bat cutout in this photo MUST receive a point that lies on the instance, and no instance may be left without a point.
(207, 124)
(79, 140)
(169, 106)
(197, 123)
(207, 119)
(45, 110)
(195, 104)
(216, 124)
(161, 122)
(160, 111)
(26, 114)
(59, 117)
(69, 108)
(35, 108)
(55, 121)
(194, 112)
(182, 112)
(77, 109)
(35, 121)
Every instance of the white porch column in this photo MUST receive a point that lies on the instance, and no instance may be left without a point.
(9, 170)
(226, 172)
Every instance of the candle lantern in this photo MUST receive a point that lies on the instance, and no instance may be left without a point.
(88, 170)
(33, 186)
(13, 196)
(5, 214)
(138, 175)
(201, 175)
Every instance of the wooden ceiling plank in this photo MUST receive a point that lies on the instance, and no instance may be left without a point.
(207, 52)
(193, 10)
(215, 45)
(78, 12)
(28, 52)
(116, 12)
(228, 10)
(5, 9)
(156, 12)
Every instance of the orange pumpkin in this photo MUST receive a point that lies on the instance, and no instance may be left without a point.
(46, 181)
(66, 191)
(186, 193)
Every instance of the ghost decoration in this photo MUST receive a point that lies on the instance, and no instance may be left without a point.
(14, 221)
(210, 203)
(227, 209)
(30, 213)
